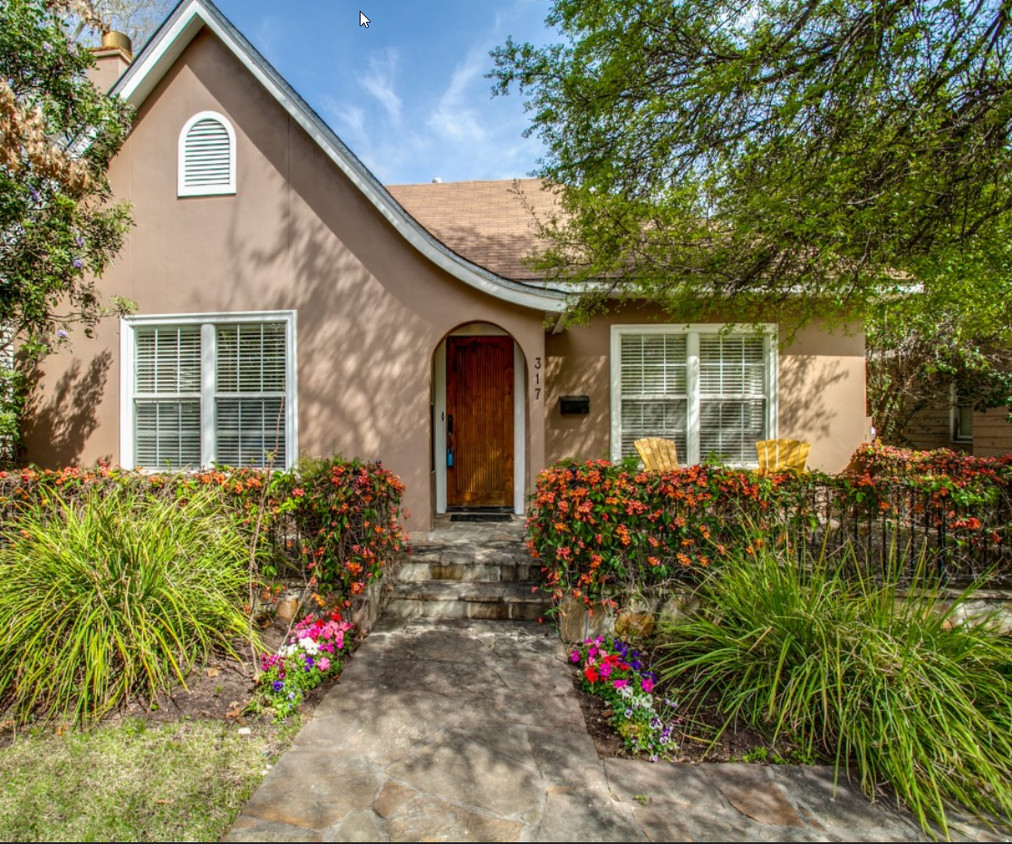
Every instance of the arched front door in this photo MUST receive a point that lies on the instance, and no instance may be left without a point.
(479, 421)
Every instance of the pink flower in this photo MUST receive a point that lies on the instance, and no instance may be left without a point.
(605, 669)
(620, 683)
(574, 657)
(647, 685)
(323, 663)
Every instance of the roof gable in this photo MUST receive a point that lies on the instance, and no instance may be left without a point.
(165, 47)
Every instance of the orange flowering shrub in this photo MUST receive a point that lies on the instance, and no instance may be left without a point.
(601, 529)
(335, 524)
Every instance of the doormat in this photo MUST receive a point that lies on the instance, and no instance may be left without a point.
(481, 517)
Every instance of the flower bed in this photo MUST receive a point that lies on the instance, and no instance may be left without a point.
(615, 672)
(603, 530)
(314, 653)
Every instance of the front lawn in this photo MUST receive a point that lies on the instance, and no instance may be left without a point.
(132, 781)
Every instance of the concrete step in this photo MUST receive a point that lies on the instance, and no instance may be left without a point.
(416, 569)
(457, 599)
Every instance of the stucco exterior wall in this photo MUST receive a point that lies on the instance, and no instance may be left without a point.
(821, 388)
(297, 235)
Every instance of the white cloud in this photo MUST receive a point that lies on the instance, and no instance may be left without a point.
(380, 83)
(350, 117)
(452, 116)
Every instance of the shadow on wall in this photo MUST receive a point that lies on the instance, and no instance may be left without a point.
(66, 415)
(363, 373)
(808, 400)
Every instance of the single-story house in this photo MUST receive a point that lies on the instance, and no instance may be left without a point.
(287, 302)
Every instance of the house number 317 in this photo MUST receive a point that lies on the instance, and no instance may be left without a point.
(537, 378)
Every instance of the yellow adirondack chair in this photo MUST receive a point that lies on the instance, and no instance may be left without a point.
(657, 454)
(781, 455)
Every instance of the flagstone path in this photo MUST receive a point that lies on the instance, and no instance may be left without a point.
(471, 731)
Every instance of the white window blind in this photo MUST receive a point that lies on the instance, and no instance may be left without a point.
(712, 393)
(217, 391)
(207, 156)
(654, 389)
(732, 397)
(167, 390)
(249, 399)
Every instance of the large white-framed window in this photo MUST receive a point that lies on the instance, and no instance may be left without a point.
(711, 390)
(205, 389)
(206, 156)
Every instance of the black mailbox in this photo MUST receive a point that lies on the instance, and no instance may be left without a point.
(574, 405)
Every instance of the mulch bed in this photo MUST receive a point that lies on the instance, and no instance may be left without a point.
(219, 691)
(223, 688)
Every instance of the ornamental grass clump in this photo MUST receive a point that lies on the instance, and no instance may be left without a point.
(113, 597)
(313, 653)
(618, 674)
(891, 685)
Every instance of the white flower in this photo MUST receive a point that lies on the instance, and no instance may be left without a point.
(309, 646)
(626, 691)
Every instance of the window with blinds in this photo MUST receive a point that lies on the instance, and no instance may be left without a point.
(710, 392)
(655, 388)
(732, 397)
(249, 393)
(167, 397)
(211, 392)
(207, 156)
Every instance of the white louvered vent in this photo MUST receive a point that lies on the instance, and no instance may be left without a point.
(207, 156)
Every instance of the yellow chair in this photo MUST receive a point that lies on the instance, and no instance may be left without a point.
(657, 454)
(782, 455)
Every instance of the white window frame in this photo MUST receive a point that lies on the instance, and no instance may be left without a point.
(956, 433)
(182, 189)
(208, 323)
(692, 333)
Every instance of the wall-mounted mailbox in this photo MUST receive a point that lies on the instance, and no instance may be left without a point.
(574, 405)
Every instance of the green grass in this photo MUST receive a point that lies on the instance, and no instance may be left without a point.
(184, 781)
(893, 690)
(113, 598)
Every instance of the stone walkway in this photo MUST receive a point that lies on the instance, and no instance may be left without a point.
(471, 731)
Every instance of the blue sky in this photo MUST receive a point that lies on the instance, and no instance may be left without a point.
(408, 94)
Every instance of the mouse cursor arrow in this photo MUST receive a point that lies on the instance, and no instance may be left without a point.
(363, 20)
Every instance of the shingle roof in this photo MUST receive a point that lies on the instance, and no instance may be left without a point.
(489, 223)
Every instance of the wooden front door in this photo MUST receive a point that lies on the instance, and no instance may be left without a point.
(479, 421)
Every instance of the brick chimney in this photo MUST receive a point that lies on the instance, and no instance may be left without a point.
(111, 59)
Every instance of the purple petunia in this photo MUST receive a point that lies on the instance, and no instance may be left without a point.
(78, 263)
(278, 685)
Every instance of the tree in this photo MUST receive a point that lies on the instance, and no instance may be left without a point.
(58, 227)
(831, 157)
(134, 18)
